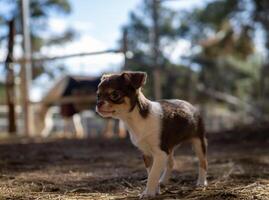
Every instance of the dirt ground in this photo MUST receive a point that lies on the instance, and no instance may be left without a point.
(113, 169)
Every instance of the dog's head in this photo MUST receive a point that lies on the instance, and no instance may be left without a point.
(117, 93)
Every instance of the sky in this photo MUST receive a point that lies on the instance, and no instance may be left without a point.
(98, 24)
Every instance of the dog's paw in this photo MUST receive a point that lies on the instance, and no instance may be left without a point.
(164, 182)
(146, 195)
(149, 194)
(201, 183)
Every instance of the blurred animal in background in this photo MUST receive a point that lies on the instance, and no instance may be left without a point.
(155, 127)
(70, 101)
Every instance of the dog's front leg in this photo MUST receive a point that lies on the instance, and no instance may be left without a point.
(159, 162)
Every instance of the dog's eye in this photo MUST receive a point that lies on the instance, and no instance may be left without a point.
(115, 95)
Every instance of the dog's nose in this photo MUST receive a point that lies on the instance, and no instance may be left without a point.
(100, 103)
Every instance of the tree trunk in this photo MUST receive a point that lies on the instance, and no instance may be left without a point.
(10, 90)
(156, 51)
(157, 83)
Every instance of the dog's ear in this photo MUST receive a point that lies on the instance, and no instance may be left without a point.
(136, 79)
(105, 76)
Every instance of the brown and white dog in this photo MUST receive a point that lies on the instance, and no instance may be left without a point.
(155, 127)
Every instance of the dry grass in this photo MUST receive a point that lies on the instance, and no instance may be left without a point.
(113, 169)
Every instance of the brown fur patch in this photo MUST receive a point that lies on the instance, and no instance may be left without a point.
(180, 122)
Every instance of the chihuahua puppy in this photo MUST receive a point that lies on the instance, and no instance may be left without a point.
(155, 127)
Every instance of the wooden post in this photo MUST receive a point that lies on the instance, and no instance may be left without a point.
(109, 129)
(262, 81)
(26, 68)
(156, 50)
(125, 47)
(10, 90)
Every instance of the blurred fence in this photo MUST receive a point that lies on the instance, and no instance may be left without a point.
(215, 120)
(92, 124)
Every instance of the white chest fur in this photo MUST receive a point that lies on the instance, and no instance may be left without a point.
(145, 132)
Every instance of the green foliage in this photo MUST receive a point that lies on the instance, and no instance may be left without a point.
(216, 12)
(227, 52)
(222, 35)
(42, 9)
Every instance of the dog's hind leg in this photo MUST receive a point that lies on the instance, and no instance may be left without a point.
(199, 147)
(168, 169)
